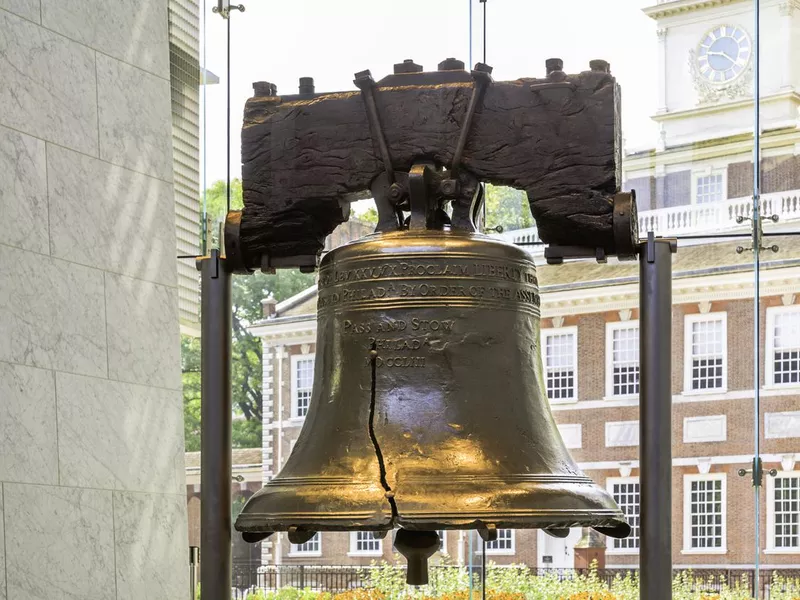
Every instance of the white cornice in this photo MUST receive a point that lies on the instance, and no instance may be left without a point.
(688, 153)
(729, 286)
(708, 109)
(669, 9)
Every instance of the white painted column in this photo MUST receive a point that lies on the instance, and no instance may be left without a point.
(662, 70)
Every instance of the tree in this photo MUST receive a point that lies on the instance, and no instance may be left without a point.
(508, 208)
(247, 291)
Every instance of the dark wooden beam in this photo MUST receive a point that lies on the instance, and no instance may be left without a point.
(304, 157)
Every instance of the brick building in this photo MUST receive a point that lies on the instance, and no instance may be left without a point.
(695, 180)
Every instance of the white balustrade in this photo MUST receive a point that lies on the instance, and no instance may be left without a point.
(694, 219)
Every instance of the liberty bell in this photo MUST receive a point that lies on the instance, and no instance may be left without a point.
(428, 409)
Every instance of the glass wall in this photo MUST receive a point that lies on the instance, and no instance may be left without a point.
(690, 75)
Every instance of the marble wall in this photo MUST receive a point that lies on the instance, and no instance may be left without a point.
(92, 501)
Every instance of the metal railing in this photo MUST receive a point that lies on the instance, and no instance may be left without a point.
(324, 578)
(715, 217)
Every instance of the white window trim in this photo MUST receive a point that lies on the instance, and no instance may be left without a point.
(771, 549)
(561, 331)
(354, 545)
(294, 552)
(504, 551)
(769, 370)
(687, 353)
(610, 329)
(293, 378)
(687, 520)
(610, 487)
(698, 173)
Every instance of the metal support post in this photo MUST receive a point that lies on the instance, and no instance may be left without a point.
(194, 559)
(215, 427)
(655, 417)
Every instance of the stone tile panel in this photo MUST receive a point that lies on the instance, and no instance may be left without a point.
(59, 543)
(109, 217)
(49, 85)
(135, 118)
(52, 314)
(137, 433)
(23, 191)
(134, 32)
(151, 546)
(143, 332)
(28, 436)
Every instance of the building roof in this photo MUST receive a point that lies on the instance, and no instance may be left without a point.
(690, 261)
(240, 457)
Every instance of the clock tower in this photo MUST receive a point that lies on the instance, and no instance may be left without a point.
(706, 67)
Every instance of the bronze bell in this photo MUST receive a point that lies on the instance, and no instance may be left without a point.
(428, 409)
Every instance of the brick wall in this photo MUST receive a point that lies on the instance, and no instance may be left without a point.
(778, 174)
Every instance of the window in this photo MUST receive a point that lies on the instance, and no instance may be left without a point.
(706, 349)
(302, 383)
(312, 547)
(625, 491)
(783, 345)
(560, 364)
(622, 358)
(363, 542)
(783, 512)
(704, 514)
(504, 544)
(709, 188)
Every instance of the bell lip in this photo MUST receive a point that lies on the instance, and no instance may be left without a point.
(611, 524)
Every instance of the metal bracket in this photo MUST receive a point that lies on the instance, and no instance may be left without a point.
(365, 82)
(556, 255)
(757, 470)
(224, 8)
(757, 234)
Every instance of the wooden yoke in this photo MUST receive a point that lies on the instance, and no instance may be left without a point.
(306, 157)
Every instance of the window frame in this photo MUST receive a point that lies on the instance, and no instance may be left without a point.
(503, 551)
(769, 350)
(611, 327)
(551, 332)
(688, 321)
(610, 543)
(293, 548)
(296, 358)
(771, 548)
(687, 516)
(708, 172)
(354, 551)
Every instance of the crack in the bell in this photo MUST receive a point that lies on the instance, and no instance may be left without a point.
(381, 466)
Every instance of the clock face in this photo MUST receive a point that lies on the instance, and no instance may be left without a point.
(723, 53)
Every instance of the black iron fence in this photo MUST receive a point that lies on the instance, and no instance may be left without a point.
(248, 576)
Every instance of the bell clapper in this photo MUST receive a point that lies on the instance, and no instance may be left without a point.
(417, 547)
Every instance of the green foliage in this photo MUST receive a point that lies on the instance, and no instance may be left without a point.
(508, 208)
(389, 580)
(288, 593)
(784, 588)
(369, 216)
(246, 295)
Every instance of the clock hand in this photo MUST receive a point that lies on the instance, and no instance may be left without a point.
(715, 53)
